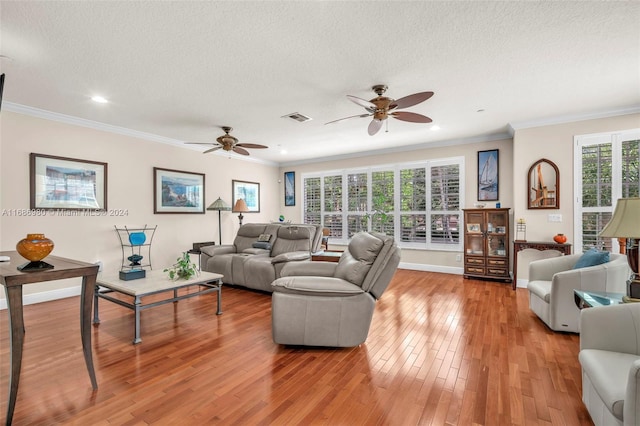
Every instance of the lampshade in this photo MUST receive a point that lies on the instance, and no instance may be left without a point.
(219, 204)
(240, 206)
(625, 222)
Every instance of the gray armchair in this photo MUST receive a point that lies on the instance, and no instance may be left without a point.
(331, 304)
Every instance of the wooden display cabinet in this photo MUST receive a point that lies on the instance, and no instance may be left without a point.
(486, 244)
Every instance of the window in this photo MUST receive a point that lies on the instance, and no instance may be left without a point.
(608, 166)
(417, 203)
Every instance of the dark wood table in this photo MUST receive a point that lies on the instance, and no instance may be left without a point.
(13, 280)
(537, 245)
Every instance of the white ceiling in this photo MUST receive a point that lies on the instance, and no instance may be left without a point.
(179, 69)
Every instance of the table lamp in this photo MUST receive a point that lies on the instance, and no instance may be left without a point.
(240, 207)
(219, 205)
(625, 224)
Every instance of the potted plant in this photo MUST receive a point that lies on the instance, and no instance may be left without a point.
(183, 269)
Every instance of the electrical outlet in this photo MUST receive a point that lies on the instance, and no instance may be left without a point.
(458, 257)
(556, 217)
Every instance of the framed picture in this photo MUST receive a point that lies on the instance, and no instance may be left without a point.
(543, 185)
(175, 191)
(488, 176)
(473, 228)
(249, 192)
(289, 188)
(67, 183)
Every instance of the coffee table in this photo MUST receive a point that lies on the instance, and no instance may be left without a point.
(155, 282)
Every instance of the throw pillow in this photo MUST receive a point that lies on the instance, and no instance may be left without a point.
(592, 257)
(262, 245)
(264, 238)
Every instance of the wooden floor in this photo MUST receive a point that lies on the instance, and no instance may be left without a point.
(442, 350)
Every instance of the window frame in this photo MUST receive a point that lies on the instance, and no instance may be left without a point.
(616, 139)
(396, 212)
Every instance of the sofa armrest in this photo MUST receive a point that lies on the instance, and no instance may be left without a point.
(316, 286)
(292, 256)
(545, 269)
(213, 250)
(631, 409)
(611, 328)
(318, 269)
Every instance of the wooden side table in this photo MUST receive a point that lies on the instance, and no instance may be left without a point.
(13, 280)
(537, 245)
(327, 256)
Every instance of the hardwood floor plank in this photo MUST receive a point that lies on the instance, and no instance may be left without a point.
(441, 350)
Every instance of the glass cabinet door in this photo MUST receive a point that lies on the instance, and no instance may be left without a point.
(475, 244)
(497, 233)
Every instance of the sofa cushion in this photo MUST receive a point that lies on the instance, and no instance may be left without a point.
(592, 257)
(356, 261)
(292, 238)
(608, 372)
(320, 286)
(542, 289)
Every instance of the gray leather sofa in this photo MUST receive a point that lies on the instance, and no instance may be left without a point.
(256, 264)
(610, 360)
(552, 281)
(332, 304)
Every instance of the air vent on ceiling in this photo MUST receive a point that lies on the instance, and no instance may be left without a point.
(297, 116)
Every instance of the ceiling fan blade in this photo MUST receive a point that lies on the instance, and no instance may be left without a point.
(411, 100)
(363, 103)
(411, 117)
(251, 145)
(238, 150)
(212, 149)
(374, 127)
(352, 116)
(200, 143)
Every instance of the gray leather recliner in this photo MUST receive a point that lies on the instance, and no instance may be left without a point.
(332, 304)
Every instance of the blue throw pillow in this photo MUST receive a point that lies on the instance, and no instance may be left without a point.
(262, 245)
(592, 257)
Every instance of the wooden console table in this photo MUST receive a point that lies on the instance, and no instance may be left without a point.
(536, 245)
(13, 280)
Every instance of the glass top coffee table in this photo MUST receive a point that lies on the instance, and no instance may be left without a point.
(590, 299)
(155, 282)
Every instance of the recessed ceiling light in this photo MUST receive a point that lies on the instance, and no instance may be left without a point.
(99, 99)
(435, 127)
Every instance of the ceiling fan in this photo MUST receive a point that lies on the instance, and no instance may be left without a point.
(381, 107)
(229, 143)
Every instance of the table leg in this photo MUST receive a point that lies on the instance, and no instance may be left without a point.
(136, 308)
(219, 298)
(16, 337)
(86, 305)
(96, 314)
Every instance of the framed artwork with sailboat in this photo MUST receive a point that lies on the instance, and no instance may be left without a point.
(488, 175)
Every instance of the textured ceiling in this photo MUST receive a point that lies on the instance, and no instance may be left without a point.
(180, 69)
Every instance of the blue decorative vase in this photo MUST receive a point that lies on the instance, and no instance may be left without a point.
(137, 238)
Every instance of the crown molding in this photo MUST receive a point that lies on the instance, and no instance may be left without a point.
(405, 148)
(96, 125)
(549, 121)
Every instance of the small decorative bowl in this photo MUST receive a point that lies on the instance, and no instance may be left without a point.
(479, 205)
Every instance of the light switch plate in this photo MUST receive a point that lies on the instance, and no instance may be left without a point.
(556, 217)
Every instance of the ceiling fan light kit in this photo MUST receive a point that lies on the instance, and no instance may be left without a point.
(381, 107)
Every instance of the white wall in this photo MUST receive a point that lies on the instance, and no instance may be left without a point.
(130, 188)
(443, 261)
(555, 143)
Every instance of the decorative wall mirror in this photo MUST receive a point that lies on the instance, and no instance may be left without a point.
(543, 185)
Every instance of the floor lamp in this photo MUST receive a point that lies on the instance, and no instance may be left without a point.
(624, 224)
(219, 205)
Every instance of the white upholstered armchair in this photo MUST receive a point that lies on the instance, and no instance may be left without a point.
(610, 360)
(552, 281)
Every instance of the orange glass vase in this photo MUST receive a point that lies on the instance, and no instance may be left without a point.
(34, 247)
(560, 238)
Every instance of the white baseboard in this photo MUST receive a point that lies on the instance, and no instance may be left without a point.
(45, 296)
(431, 268)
